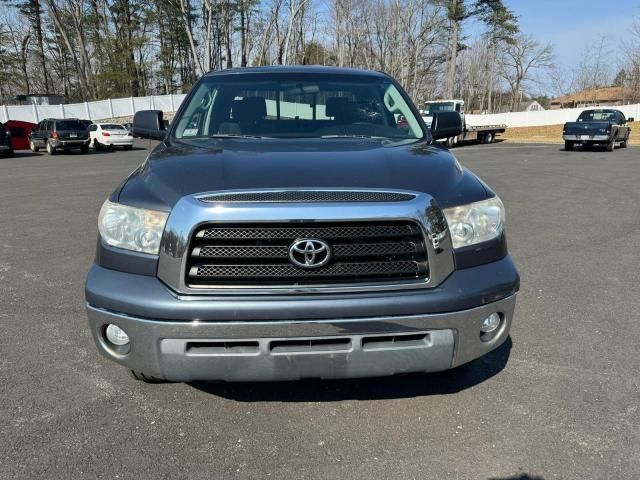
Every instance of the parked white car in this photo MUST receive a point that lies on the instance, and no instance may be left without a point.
(110, 135)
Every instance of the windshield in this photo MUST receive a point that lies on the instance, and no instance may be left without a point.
(431, 108)
(297, 106)
(70, 125)
(598, 116)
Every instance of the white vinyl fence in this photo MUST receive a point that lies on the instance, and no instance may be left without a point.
(124, 107)
(544, 117)
(111, 108)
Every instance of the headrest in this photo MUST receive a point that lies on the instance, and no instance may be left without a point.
(249, 109)
(340, 107)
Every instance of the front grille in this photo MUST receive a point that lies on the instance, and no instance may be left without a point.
(257, 255)
(307, 196)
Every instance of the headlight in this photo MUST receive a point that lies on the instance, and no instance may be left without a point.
(476, 222)
(131, 228)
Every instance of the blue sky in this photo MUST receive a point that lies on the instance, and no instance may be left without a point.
(568, 24)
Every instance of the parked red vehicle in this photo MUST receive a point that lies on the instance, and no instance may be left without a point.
(19, 133)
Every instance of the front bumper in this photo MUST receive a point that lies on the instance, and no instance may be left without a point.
(586, 138)
(183, 338)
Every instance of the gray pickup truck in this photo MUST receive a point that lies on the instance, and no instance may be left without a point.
(289, 226)
(598, 127)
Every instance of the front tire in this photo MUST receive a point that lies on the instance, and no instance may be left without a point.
(489, 137)
(96, 144)
(50, 149)
(568, 145)
(33, 147)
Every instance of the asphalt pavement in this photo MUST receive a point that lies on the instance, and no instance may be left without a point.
(560, 400)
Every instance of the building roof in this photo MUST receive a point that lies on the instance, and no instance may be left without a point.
(317, 69)
(607, 94)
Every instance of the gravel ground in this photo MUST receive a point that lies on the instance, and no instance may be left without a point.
(560, 400)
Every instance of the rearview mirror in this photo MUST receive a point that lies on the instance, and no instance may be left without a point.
(630, 119)
(445, 125)
(149, 124)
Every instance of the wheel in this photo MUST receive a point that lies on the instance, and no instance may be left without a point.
(456, 139)
(128, 147)
(450, 142)
(489, 137)
(96, 144)
(8, 153)
(568, 145)
(145, 378)
(50, 149)
(33, 147)
(611, 146)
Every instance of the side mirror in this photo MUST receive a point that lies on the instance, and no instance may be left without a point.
(630, 119)
(446, 125)
(149, 124)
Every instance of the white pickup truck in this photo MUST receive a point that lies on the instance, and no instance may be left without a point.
(480, 134)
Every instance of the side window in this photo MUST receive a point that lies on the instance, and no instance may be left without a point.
(621, 119)
(458, 107)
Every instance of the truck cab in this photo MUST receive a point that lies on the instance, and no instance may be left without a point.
(436, 106)
(470, 133)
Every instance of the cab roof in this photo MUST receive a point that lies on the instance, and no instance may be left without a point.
(298, 69)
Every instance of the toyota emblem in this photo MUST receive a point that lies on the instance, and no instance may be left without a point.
(309, 253)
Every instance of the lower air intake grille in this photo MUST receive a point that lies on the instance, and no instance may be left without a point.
(258, 255)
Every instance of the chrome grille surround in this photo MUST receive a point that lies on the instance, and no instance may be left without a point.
(190, 215)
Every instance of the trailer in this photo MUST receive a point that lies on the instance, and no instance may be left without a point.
(470, 133)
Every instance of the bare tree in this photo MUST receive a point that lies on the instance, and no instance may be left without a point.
(295, 7)
(594, 67)
(632, 62)
(521, 60)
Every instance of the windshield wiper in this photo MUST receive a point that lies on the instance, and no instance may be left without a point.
(233, 135)
(355, 136)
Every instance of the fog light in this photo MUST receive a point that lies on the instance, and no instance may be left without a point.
(491, 323)
(116, 335)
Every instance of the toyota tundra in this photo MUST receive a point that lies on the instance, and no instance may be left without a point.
(298, 222)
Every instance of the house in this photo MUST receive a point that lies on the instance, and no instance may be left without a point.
(598, 97)
(524, 106)
(530, 106)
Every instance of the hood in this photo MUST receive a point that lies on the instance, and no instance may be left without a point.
(190, 167)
